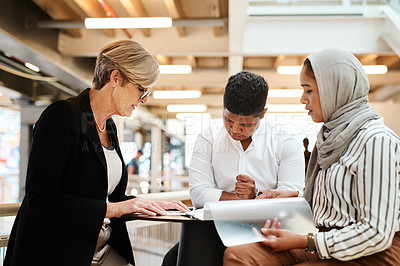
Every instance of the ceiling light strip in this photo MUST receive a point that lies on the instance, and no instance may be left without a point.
(286, 108)
(175, 69)
(184, 108)
(193, 116)
(369, 69)
(177, 94)
(285, 93)
(128, 23)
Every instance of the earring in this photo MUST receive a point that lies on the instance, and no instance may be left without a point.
(113, 86)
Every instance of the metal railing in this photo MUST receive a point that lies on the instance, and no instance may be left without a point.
(9, 209)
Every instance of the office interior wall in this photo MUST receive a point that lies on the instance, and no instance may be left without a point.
(390, 112)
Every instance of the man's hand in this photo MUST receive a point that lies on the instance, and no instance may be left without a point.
(245, 187)
(274, 193)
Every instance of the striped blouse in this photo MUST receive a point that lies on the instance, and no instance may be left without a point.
(360, 193)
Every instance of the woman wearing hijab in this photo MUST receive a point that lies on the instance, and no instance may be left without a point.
(352, 182)
(76, 179)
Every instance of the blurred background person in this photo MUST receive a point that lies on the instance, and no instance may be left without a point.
(133, 165)
(307, 153)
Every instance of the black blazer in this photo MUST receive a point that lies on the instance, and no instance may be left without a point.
(66, 188)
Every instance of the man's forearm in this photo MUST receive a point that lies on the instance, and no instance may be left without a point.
(228, 196)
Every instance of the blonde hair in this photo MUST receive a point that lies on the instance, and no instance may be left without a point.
(134, 63)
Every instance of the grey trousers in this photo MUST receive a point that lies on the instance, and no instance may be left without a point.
(257, 254)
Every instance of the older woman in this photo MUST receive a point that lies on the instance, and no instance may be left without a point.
(352, 181)
(76, 180)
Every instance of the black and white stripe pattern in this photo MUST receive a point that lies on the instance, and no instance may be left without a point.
(360, 192)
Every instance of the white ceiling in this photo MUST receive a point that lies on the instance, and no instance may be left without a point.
(257, 36)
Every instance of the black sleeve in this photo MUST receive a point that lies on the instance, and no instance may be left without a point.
(53, 140)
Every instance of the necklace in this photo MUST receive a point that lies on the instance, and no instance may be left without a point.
(100, 129)
(94, 118)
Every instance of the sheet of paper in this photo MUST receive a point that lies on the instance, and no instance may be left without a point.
(239, 222)
(177, 213)
(201, 214)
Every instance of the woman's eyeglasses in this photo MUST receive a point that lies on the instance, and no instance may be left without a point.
(144, 91)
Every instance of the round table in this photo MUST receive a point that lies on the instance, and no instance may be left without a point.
(199, 244)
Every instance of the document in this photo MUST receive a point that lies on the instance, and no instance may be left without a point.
(175, 212)
(202, 214)
(199, 214)
(240, 221)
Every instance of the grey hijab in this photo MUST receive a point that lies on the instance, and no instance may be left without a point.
(343, 88)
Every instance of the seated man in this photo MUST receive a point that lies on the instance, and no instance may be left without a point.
(250, 155)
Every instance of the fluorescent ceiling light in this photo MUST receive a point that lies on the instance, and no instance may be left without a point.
(175, 69)
(188, 116)
(128, 23)
(176, 108)
(375, 69)
(177, 94)
(285, 93)
(32, 67)
(295, 70)
(286, 108)
(289, 70)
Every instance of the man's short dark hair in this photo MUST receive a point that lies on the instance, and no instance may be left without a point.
(246, 94)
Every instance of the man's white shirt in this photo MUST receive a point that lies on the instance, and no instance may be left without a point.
(274, 159)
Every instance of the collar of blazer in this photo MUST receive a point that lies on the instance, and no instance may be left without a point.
(89, 128)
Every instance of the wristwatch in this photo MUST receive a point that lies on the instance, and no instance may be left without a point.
(310, 243)
(259, 192)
